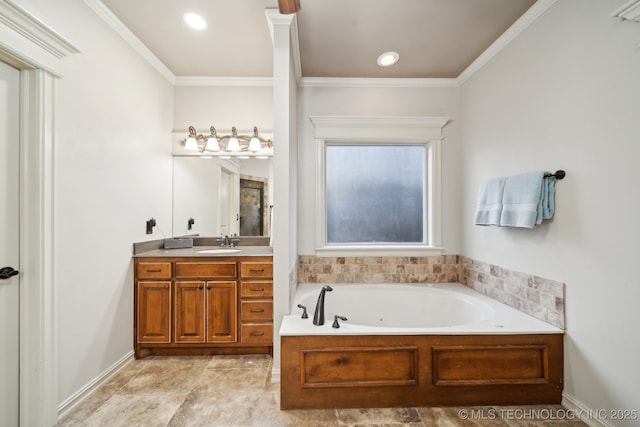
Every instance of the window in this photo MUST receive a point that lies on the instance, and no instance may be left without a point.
(378, 185)
(375, 194)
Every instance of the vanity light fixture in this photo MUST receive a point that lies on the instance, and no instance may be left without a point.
(234, 145)
(388, 59)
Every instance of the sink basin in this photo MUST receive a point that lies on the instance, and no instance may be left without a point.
(218, 251)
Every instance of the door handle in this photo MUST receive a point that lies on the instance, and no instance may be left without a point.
(7, 272)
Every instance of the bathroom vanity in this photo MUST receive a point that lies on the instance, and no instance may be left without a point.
(203, 300)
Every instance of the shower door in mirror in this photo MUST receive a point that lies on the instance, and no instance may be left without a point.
(252, 208)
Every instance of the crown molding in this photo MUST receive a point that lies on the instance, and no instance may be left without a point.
(26, 40)
(362, 82)
(629, 11)
(501, 42)
(103, 12)
(223, 81)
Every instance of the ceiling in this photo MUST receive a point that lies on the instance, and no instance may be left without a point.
(337, 38)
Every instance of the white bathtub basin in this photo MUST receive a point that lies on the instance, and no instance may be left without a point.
(375, 309)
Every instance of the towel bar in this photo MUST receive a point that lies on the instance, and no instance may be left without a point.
(558, 175)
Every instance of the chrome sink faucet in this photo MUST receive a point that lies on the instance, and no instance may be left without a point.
(318, 317)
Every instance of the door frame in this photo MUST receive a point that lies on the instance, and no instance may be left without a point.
(37, 51)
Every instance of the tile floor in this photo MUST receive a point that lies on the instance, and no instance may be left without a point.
(237, 391)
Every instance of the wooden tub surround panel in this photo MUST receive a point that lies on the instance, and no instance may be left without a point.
(359, 366)
(478, 364)
(420, 370)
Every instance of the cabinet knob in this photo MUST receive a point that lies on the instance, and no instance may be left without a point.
(156, 270)
(201, 287)
(256, 334)
(256, 289)
(166, 286)
(208, 287)
(256, 310)
(256, 270)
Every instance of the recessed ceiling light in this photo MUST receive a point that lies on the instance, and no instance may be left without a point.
(388, 58)
(195, 21)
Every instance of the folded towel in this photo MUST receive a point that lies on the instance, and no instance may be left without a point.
(489, 205)
(548, 198)
(522, 200)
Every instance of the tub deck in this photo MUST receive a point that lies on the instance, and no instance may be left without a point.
(360, 371)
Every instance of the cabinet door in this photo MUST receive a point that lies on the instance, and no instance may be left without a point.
(190, 311)
(154, 312)
(222, 312)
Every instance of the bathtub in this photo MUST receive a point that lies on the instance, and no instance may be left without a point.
(404, 309)
(416, 345)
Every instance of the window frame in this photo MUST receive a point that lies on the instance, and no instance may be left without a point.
(427, 131)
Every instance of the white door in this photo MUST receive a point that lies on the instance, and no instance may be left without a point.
(223, 203)
(9, 251)
(228, 203)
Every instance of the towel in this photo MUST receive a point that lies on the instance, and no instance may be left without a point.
(489, 207)
(548, 205)
(525, 202)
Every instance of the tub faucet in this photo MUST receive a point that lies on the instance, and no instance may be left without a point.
(318, 317)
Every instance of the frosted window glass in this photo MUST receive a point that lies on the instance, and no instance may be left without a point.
(375, 194)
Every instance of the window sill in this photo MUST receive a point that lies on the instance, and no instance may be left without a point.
(379, 251)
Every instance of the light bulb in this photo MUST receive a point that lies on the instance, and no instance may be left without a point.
(254, 144)
(212, 144)
(233, 145)
(191, 144)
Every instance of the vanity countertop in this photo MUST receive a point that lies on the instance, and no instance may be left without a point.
(208, 251)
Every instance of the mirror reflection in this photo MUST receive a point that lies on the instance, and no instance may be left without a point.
(214, 196)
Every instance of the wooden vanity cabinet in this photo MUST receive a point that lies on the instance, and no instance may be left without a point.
(205, 311)
(154, 312)
(153, 302)
(217, 305)
(256, 302)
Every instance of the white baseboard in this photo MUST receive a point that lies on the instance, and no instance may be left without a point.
(591, 417)
(79, 396)
(275, 376)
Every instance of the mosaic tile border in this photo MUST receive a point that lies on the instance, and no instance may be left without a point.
(534, 295)
(430, 269)
(539, 297)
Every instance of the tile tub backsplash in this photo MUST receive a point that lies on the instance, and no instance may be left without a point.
(430, 269)
(534, 295)
(541, 298)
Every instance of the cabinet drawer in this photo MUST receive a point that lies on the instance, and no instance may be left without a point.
(153, 270)
(256, 333)
(256, 288)
(251, 311)
(256, 269)
(206, 269)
